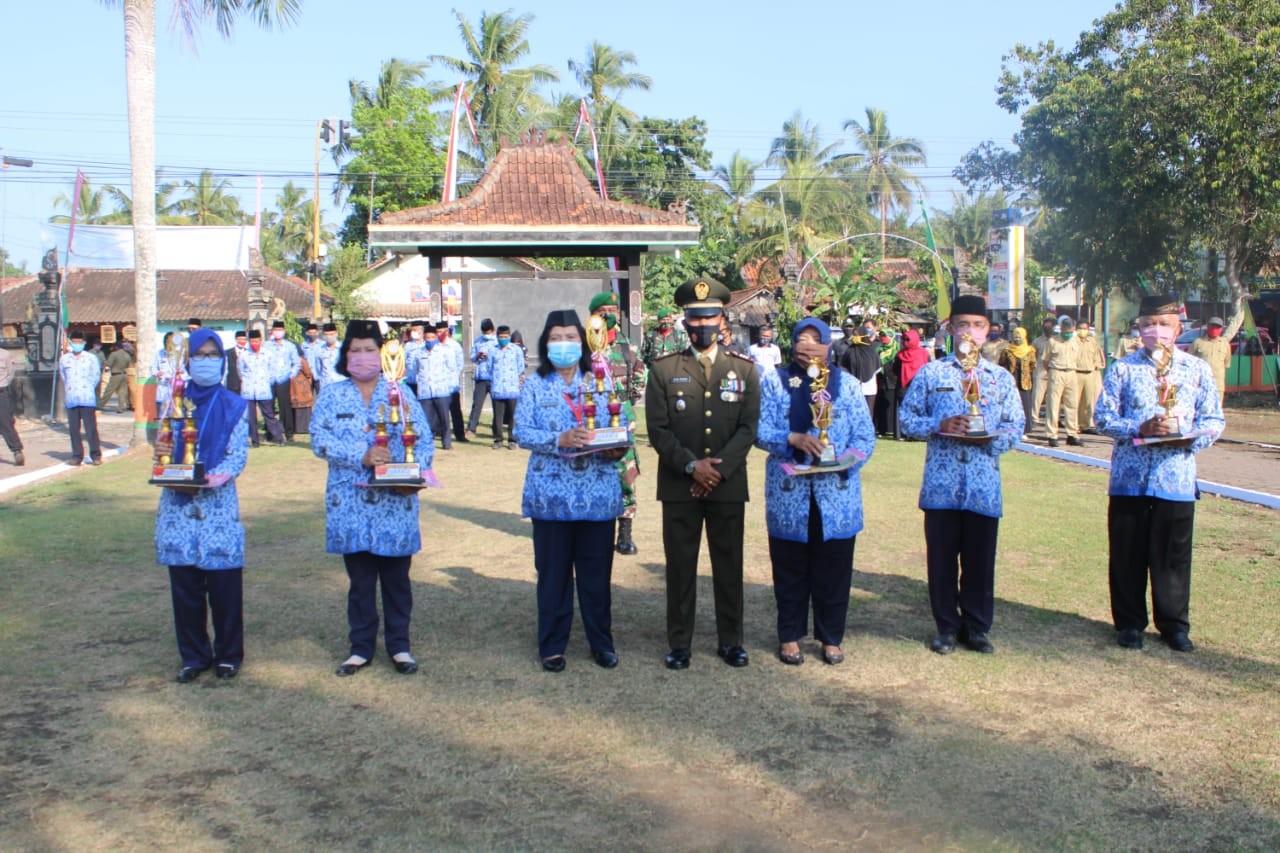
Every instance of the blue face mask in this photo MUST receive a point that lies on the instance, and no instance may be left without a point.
(564, 353)
(430, 344)
(77, 347)
(502, 342)
(205, 372)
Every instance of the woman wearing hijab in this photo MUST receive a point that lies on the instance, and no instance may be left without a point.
(198, 531)
(813, 518)
(375, 529)
(572, 497)
(909, 360)
(1019, 358)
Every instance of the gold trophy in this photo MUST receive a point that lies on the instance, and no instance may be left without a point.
(820, 407)
(968, 355)
(180, 424)
(406, 473)
(1166, 391)
(614, 435)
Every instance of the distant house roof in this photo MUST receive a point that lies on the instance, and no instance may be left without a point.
(533, 196)
(106, 296)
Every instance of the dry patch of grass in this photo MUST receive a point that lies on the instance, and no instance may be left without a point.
(1061, 740)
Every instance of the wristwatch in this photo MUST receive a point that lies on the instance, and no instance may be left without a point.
(688, 468)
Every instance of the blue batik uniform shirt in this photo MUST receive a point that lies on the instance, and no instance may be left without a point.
(411, 350)
(327, 365)
(837, 493)
(556, 487)
(380, 521)
(255, 373)
(81, 374)
(487, 344)
(433, 369)
(457, 361)
(283, 358)
(204, 529)
(1130, 396)
(508, 368)
(962, 475)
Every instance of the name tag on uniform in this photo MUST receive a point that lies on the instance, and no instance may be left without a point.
(941, 388)
(345, 415)
(675, 379)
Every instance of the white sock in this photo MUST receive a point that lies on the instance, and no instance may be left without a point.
(355, 660)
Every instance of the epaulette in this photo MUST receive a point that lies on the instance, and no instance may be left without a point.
(737, 354)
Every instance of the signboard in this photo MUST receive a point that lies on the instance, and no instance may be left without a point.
(1006, 271)
(107, 333)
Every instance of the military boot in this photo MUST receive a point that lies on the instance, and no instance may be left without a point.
(625, 546)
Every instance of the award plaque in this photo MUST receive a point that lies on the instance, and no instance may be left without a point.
(968, 354)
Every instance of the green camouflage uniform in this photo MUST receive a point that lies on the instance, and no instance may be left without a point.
(628, 378)
(657, 345)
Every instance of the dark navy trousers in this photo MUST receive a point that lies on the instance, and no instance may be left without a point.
(565, 551)
(367, 571)
(197, 593)
(961, 555)
(814, 572)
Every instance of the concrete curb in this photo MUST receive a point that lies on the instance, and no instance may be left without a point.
(1218, 489)
(18, 481)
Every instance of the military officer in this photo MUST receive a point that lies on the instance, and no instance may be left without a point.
(1216, 350)
(627, 373)
(1089, 366)
(1040, 382)
(666, 338)
(703, 406)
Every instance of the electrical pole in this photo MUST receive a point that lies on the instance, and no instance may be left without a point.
(368, 243)
(313, 265)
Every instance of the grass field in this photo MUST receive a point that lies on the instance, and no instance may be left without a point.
(1059, 741)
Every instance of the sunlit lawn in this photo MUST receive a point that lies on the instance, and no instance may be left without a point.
(1061, 740)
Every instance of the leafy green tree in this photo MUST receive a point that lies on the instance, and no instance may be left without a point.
(397, 148)
(660, 161)
(207, 202)
(713, 256)
(502, 95)
(1154, 139)
(737, 180)
(884, 161)
(343, 276)
(967, 227)
(8, 270)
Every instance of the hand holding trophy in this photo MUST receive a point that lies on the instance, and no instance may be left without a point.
(820, 407)
(968, 355)
(405, 474)
(179, 422)
(599, 395)
(1166, 392)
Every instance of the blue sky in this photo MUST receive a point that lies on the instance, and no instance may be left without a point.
(249, 105)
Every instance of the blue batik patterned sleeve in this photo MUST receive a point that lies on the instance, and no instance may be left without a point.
(327, 440)
(774, 429)
(533, 430)
(1009, 422)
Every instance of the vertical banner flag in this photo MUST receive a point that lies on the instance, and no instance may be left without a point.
(584, 118)
(1006, 260)
(941, 281)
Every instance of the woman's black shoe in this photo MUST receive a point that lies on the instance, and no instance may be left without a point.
(553, 664)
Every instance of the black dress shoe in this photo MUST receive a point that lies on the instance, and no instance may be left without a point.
(677, 659)
(832, 658)
(227, 671)
(943, 644)
(608, 660)
(1074, 442)
(347, 669)
(553, 664)
(976, 641)
(1180, 642)
(405, 667)
(1129, 638)
(188, 674)
(791, 658)
(1053, 442)
(735, 656)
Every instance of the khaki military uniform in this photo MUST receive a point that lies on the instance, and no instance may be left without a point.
(1040, 384)
(692, 418)
(1127, 345)
(1218, 354)
(1089, 367)
(1063, 389)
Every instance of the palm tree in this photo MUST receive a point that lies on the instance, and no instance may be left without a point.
(799, 143)
(395, 76)
(884, 161)
(500, 95)
(737, 182)
(92, 207)
(603, 70)
(140, 82)
(207, 202)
